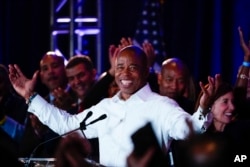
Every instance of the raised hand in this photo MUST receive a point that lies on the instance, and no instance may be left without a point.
(243, 71)
(126, 42)
(150, 52)
(113, 52)
(22, 85)
(244, 46)
(63, 99)
(209, 90)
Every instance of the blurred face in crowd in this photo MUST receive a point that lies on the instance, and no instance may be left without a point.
(173, 79)
(131, 71)
(223, 110)
(52, 72)
(80, 79)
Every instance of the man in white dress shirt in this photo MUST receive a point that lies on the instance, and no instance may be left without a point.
(130, 109)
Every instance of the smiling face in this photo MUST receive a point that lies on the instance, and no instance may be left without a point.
(131, 71)
(80, 79)
(223, 110)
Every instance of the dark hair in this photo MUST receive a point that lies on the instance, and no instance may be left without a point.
(222, 89)
(80, 59)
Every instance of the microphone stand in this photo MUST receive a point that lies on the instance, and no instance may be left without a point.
(82, 127)
(27, 163)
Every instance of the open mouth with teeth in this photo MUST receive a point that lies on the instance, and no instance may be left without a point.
(126, 83)
(229, 114)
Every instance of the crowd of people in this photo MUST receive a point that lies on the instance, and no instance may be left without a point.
(103, 112)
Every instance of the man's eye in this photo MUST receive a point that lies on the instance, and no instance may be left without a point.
(169, 79)
(55, 65)
(119, 68)
(44, 69)
(132, 68)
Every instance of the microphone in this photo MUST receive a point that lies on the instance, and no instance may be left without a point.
(83, 123)
(98, 119)
(82, 126)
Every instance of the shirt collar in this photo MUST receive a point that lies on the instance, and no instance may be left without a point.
(141, 94)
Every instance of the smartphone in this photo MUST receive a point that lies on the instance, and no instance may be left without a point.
(145, 138)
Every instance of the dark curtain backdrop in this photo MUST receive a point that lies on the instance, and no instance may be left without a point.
(24, 32)
(201, 32)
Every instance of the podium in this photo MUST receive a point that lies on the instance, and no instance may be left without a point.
(50, 162)
(38, 162)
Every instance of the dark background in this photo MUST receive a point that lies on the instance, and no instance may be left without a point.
(201, 32)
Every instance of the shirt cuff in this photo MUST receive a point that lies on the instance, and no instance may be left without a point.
(204, 120)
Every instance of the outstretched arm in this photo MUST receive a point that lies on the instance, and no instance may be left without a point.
(243, 79)
(204, 103)
(23, 86)
(243, 72)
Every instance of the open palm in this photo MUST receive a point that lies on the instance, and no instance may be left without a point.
(22, 85)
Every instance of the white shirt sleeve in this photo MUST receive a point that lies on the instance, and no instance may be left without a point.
(200, 121)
